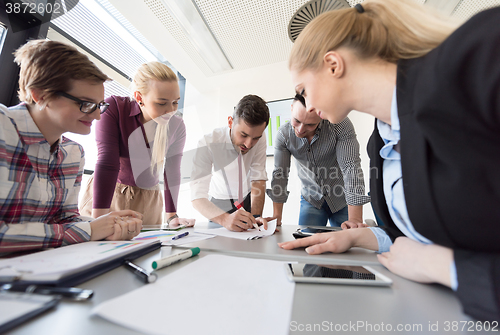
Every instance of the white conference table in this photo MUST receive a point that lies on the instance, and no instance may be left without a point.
(414, 308)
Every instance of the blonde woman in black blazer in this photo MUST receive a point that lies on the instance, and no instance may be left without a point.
(435, 92)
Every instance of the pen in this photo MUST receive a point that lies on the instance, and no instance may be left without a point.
(8, 274)
(164, 262)
(72, 293)
(240, 206)
(176, 237)
(141, 273)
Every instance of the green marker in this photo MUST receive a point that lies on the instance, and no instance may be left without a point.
(164, 262)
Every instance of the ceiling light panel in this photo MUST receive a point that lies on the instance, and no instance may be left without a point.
(253, 33)
(159, 10)
(187, 15)
(467, 8)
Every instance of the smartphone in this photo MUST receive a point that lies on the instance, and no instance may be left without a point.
(308, 231)
(335, 274)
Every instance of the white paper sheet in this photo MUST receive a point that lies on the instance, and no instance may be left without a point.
(166, 236)
(250, 234)
(162, 235)
(216, 294)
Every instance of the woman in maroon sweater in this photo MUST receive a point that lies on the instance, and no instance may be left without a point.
(136, 138)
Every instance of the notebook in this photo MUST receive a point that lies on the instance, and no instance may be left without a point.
(73, 264)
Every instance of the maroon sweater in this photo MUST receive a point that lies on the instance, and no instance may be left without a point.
(113, 164)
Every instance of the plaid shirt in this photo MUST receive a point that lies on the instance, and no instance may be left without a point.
(38, 189)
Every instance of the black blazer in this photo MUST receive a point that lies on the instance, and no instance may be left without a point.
(449, 112)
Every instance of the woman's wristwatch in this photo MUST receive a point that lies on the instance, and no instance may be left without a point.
(175, 216)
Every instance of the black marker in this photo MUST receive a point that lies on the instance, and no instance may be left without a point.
(72, 293)
(141, 273)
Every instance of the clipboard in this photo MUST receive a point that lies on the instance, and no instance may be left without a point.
(18, 308)
(73, 264)
(78, 278)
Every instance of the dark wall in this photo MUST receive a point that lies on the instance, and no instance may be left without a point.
(20, 29)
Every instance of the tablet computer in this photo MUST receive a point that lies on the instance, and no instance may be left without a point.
(336, 274)
(308, 231)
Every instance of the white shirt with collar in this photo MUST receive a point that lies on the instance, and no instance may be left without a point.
(215, 157)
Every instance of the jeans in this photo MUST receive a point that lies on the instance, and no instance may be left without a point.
(311, 216)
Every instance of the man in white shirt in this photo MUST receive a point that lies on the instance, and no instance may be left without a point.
(229, 176)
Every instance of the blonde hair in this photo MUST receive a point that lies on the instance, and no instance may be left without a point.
(49, 66)
(142, 78)
(387, 29)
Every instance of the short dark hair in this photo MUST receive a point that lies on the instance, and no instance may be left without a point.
(253, 110)
(300, 97)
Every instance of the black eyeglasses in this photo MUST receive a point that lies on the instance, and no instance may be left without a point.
(86, 107)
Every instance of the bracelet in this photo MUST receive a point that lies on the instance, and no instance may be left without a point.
(175, 216)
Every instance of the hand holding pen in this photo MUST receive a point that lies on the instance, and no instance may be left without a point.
(241, 220)
(258, 219)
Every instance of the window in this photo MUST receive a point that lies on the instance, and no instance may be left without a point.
(100, 30)
(105, 33)
(3, 33)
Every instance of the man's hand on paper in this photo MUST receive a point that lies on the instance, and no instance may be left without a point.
(261, 222)
(277, 218)
(239, 220)
(118, 225)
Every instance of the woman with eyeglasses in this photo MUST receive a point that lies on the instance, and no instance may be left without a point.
(434, 90)
(139, 141)
(40, 170)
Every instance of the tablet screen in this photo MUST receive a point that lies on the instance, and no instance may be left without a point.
(331, 271)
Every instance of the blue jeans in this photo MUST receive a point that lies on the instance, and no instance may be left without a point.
(311, 216)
